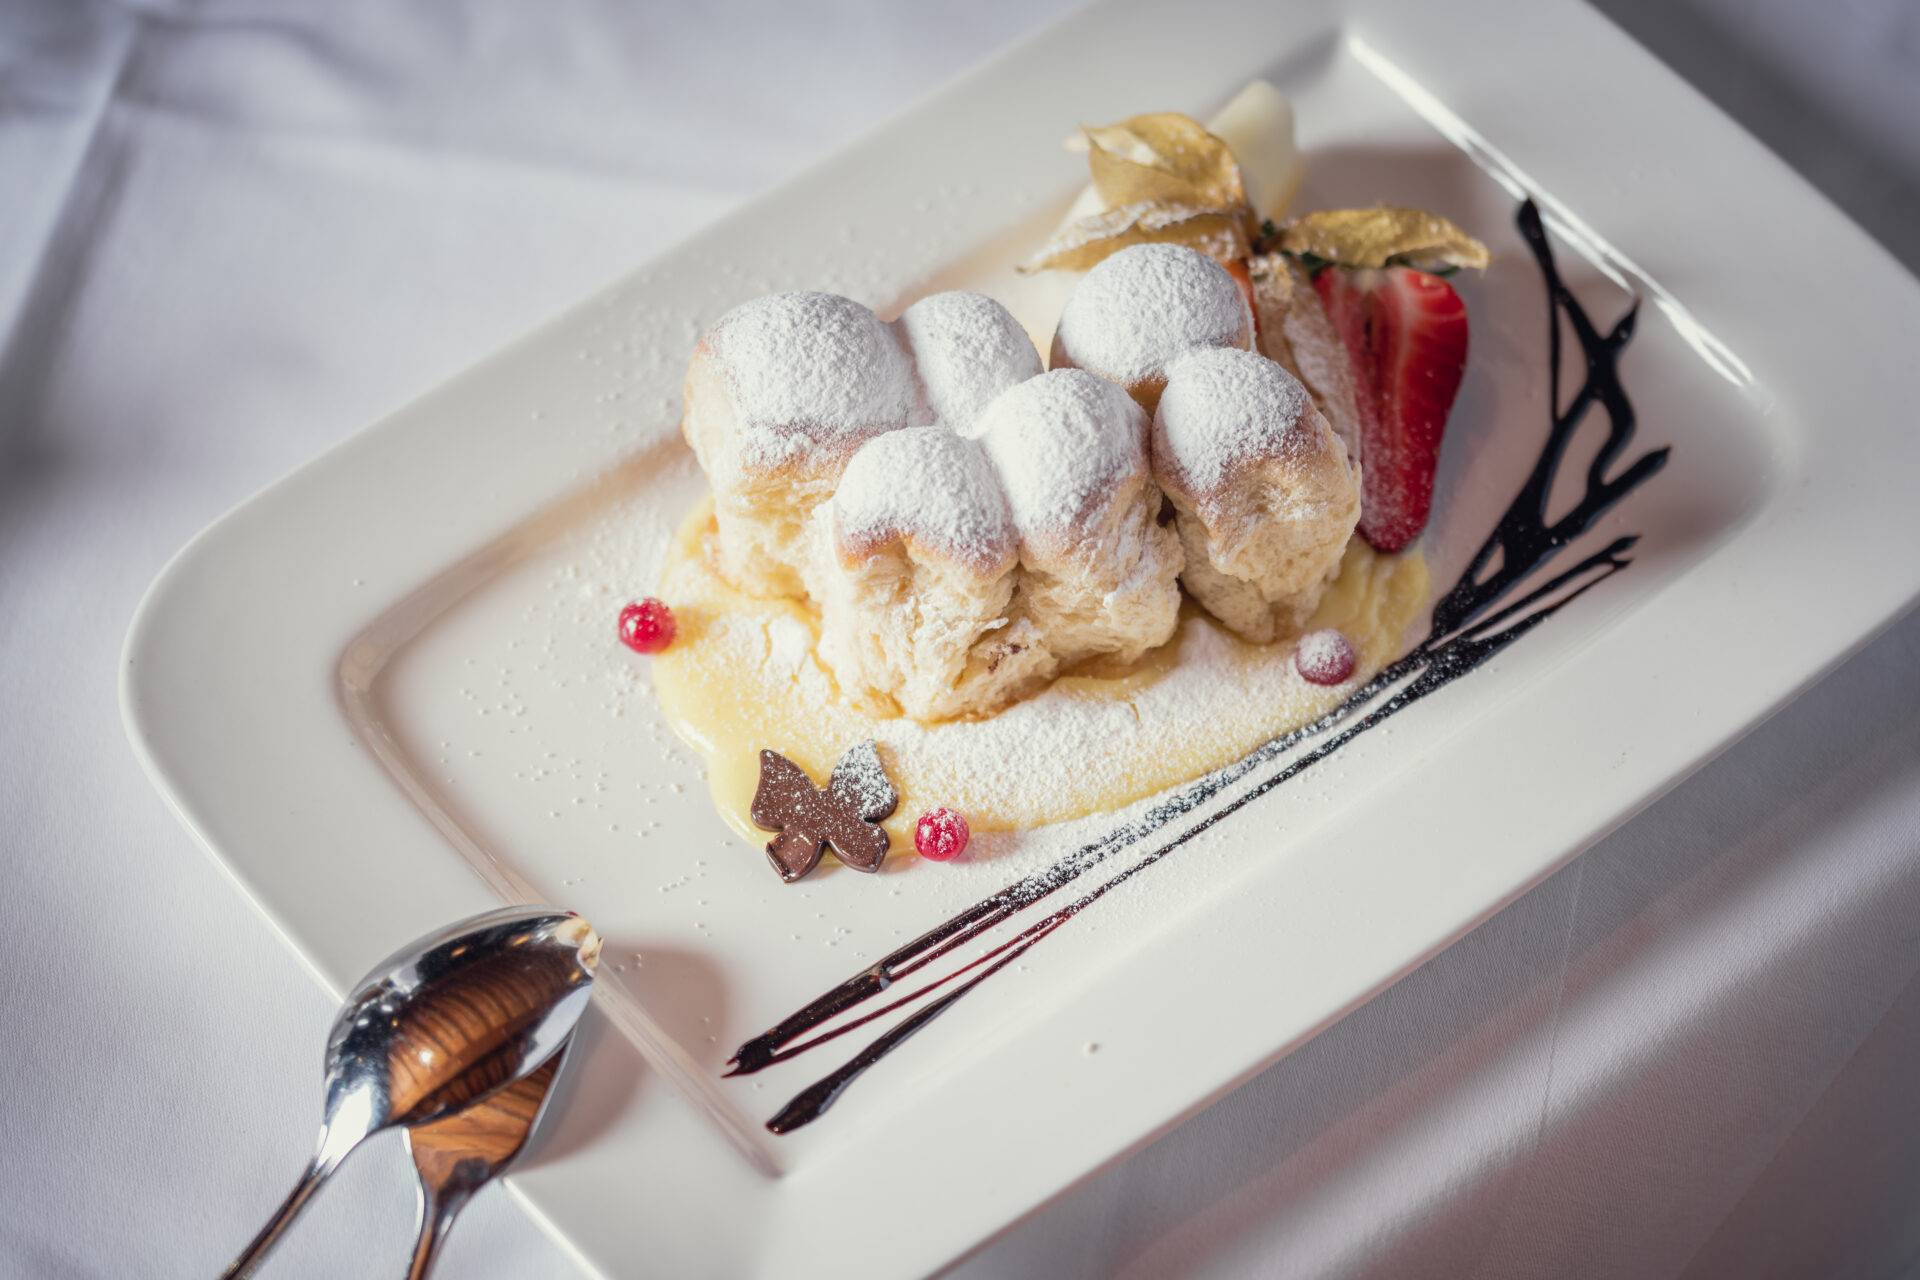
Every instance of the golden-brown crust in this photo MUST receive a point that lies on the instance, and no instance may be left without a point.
(1263, 495)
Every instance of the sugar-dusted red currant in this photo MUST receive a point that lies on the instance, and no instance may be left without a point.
(1324, 657)
(940, 835)
(646, 626)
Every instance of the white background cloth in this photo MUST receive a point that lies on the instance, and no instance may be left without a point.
(232, 232)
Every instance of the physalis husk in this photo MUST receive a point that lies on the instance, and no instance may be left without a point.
(1379, 236)
(1163, 179)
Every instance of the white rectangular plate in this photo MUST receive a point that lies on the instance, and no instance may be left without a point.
(394, 668)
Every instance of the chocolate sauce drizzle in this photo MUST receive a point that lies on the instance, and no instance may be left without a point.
(1470, 625)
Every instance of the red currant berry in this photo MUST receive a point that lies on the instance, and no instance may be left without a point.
(940, 835)
(647, 626)
(1324, 657)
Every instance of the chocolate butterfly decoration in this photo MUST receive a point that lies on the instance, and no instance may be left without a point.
(844, 815)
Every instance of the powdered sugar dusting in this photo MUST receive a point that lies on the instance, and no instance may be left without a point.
(1146, 304)
(1059, 443)
(967, 349)
(789, 645)
(927, 484)
(859, 777)
(810, 369)
(1221, 409)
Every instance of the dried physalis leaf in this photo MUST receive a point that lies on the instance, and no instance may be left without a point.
(1081, 244)
(1163, 157)
(1164, 180)
(1381, 236)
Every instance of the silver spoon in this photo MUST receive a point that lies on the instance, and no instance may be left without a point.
(440, 1024)
(456, 1155)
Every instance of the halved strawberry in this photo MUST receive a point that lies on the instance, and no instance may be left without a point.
(1406, 333)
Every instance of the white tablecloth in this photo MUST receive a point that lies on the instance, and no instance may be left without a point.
(232, 232)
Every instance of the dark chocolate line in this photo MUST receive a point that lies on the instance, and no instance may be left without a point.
(794, 1051)
(1523, 538)
(812, 1102)
(1468, 630)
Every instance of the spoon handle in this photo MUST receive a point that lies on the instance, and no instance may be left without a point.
(317, 1171)
(437, 1211)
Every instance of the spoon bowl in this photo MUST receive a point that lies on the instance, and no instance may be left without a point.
(455, 1156)
(438, 1025)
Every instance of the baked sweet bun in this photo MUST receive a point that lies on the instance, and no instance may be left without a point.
(914, 579)
(966, 349)
(1143, 306)
(969, 526)
(1295, 330)
(1264, 495)
(780, 393)
(957, 572)
(966, 524)
(1099, 572)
